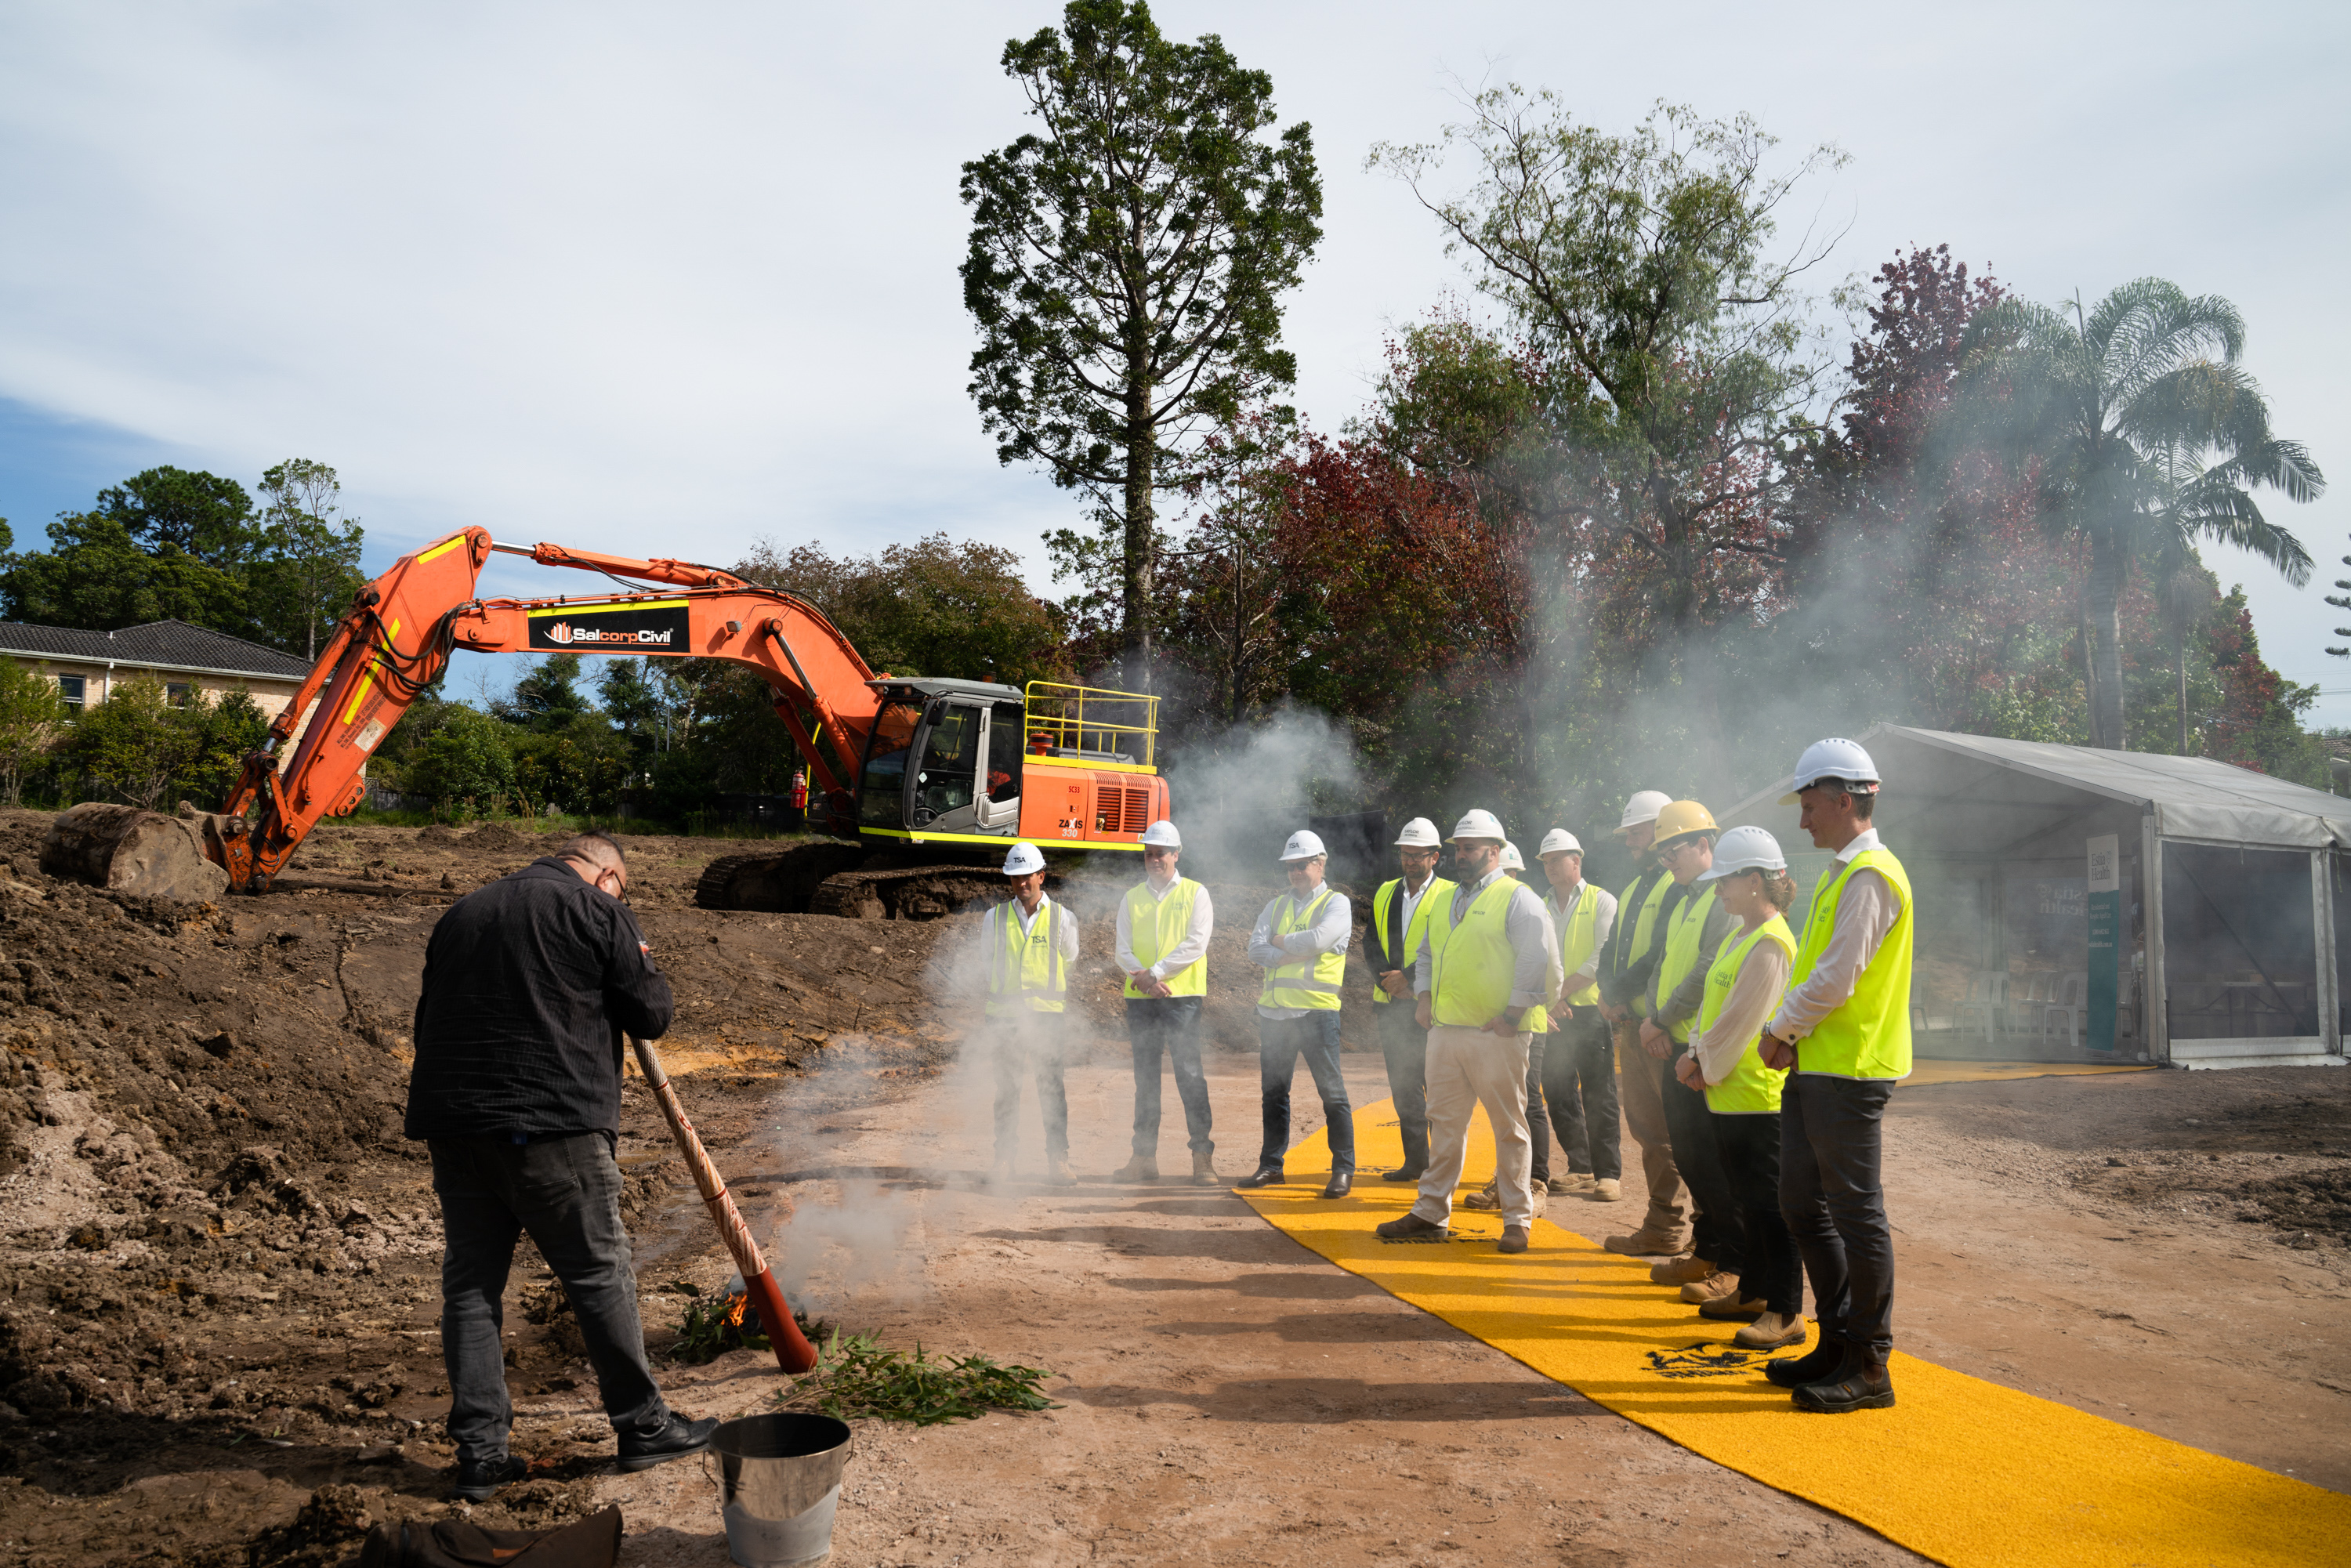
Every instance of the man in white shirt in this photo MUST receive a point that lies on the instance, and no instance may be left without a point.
(1029, 942)
(1301, 942)
(1164, 924)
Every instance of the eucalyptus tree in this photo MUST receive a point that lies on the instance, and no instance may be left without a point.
(2149, 434)
(1125, 268)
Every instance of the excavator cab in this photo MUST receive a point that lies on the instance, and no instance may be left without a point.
(953, 761)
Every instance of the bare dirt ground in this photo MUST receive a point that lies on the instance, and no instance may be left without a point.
(217, 1263)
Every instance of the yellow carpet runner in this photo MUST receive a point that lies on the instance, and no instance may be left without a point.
(1962, 1470)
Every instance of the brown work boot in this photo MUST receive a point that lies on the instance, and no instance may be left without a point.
(1204, 1171)
(1713, 1288)
(1772, 1330)
(1142, 1167)
(1573, 1181)
(1680, 1271)
(1000, 1173)
(1729, 1308)
(1410, 1228)
(1487, 1199)
(1647, 1242)
(1514, 1240)
(1058, 1173)
(1607, 1189)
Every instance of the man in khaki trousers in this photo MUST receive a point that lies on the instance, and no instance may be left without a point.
(1486, 955)
(1634, 945)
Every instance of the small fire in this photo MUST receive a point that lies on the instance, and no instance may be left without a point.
(736, 1307)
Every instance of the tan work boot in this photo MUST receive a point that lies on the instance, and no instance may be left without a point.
(1734, 1308)
(1486, 1199)
(1058, 1173)
(1204, 1171)
(1142, 1167)
(1715, 1287)
(1680, 1271)
(1000, 1173)
(1607, 1189)
(1772, 1330)
(1647, 1243)
(1573, 1181)
(1514, 1240)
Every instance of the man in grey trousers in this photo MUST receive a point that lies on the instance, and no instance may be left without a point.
(530, 984)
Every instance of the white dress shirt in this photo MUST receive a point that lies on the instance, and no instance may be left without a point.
(1867, 910)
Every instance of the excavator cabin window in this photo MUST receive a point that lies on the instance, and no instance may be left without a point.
(1004, 753)
(882, 787)
(948, 781)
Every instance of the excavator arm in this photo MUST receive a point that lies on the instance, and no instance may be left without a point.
(404, 626)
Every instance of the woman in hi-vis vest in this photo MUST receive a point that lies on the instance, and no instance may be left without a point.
(1745, 979)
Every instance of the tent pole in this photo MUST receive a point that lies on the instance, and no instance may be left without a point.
(2322, 910)
(2155, 1021)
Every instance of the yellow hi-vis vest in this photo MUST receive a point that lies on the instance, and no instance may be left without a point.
(1471, 965)
(1575, 943)
(1750, 1089)
(1382, 902)
(1157, 926)
(1312, 982)
(1025, 973)
(1682, 937)
(1868, 1035)
(1644, 926)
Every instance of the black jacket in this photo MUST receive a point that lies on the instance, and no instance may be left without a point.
(529, 984)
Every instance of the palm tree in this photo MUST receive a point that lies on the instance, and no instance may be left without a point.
(2150, 436)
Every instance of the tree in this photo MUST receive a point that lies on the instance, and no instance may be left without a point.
(466, 759)
(548, 697)
(187, 510)
(1125, 266)
(33, 716)
(309, 572)
(2149, 433)
(95, 576)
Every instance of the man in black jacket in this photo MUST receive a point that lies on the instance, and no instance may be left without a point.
(529, 987)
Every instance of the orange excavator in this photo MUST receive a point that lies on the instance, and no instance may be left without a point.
(916, 771)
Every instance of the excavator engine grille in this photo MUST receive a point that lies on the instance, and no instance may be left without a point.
(1120, 807)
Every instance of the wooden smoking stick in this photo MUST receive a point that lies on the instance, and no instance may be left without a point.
(793, 1352)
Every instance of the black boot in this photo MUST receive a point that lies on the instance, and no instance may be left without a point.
(1340, 1182)
(1402, 1173)
(1823, 1360)
(1266, 1175)
(1861, 1384)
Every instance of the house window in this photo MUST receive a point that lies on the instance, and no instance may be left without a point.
(177, 692)
(70, 687)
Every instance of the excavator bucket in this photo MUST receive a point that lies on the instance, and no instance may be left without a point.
(126, 849)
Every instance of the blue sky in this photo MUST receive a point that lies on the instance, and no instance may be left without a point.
(669, 281)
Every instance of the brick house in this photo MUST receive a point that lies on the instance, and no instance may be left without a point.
(88, 665)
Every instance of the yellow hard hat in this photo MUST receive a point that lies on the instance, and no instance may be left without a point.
(1680, 818)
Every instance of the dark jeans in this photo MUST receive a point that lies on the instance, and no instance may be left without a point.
(1168, 1025)
(1715, 1229)
(1547, 1114)
(1279, 1043)
(1580, 1064)
(1406, 1045)
(565, 1192)
(1034, 1041)
(1831, 1133)
(1750, 1158)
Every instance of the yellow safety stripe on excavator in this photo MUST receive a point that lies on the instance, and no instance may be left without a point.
(366, 679)
(443, 547)
(574, 607)
(998, 840)
(1086, 767)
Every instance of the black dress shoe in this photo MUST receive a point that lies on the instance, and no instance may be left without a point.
(675, 1441)
(1340, 1182)
(1407, 1173)
(478, 1478)
(1822, 1360)
(1266, 1175)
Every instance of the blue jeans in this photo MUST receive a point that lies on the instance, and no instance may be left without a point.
(565, 1191)
(1279, 1043)
(1168, 1026)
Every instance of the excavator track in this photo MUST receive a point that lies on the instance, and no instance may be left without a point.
(848, 880)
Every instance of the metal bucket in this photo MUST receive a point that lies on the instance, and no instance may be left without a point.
(779, 1482)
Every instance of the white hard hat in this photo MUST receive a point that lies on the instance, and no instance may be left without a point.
(1420, 833)
(1833, 758)
(1303, 846)
(1559, 842)
(1745, 849)
(1162, 835)
(1643, 807)
(1478, 825)
(1511, 859)
(1022, 860)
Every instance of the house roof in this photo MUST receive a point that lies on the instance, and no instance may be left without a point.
(157, 645)
(1979, 794)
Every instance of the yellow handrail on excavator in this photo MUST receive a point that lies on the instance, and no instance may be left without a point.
(1057, 713)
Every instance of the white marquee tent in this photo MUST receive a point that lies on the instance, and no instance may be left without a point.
(2205, 896)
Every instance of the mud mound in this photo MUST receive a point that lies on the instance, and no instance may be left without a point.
(497, 839)
(2314, 1203)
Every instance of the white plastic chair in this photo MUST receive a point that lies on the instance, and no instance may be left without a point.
(2069, 1008)
(1983, 997)
(2028, 994)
